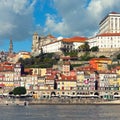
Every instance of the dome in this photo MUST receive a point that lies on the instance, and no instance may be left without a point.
(60, 38)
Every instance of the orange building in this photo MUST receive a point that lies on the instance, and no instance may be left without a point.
(100, 63)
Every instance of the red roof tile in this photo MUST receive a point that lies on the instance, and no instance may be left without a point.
(114, 13)
(75, 39)
(109, 34)
(107, 59)
(50, 36)
(72, 78)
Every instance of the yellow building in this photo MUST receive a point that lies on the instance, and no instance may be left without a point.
(66, 84)
(23, 55)
(39, 71)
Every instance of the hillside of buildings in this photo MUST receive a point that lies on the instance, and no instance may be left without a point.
(72, 67)
(80, 57)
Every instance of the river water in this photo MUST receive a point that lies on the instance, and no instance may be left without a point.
(60, 112)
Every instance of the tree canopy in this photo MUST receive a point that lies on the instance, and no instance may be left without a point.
(84, 47)
(118, 56)
(45, 60)
(95, 49)
(19, 90)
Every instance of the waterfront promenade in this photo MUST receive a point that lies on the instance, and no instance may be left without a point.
(56, 101)
(75, 102)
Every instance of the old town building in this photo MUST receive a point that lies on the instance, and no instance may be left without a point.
(108, 38)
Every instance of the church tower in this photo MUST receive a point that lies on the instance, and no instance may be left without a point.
(35, 44)
(11, 46)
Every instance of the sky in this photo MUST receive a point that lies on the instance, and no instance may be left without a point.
(19, 19)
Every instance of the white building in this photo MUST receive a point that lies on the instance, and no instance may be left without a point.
(52, 47)
(110, 24)
(108, 38)
(43, 43)
(50, 44)
(106, 41)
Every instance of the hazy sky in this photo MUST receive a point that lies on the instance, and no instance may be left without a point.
(19, 19)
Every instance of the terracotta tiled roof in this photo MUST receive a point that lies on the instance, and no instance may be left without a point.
(50, 36)
(6, 66)
(114, 13)
(72, 78)
(27, 70)
(75, 39)
(109, 34)
(51, 77)
(85, 68)
(65, 57)
(101, 59)
(117, 68)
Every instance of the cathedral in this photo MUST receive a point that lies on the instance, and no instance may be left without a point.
(40, 41)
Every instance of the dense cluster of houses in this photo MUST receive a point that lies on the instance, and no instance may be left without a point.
(92, 79)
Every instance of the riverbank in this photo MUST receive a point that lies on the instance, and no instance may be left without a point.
(114, 102)
(60, 102)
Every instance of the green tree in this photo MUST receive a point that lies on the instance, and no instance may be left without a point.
(94, 49)
(71, 54)
(85, 57)
(84, 47)
(118, 56)
(102, 56)
(21, 61)
(44, 60)
(19, 90)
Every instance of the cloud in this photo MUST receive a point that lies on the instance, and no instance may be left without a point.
(79, 17)
(16, 18)
(56, 27)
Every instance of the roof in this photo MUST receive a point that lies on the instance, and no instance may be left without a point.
(117, 68)
(113, 13)
(50, 36)
(75, 39)
(107, 16)
(109, 34)
(67, 78)
(65, 57)
(86, 68)
(106, 59)
(51, 77)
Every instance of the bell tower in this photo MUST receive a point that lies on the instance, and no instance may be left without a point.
(35, 44)
(11, 46)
